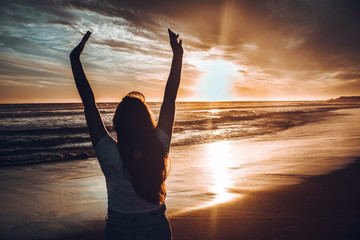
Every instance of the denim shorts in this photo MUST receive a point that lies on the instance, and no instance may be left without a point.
(139, 226)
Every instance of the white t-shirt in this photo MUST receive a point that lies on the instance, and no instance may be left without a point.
(121, 194)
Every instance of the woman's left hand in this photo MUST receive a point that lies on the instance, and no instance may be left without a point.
(76, 52)
(175, 45)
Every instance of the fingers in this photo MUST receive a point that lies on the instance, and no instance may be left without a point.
(87, 35)
(85, 38)
(174, 39)
(172, 34)
(76, 52)
(174, 43)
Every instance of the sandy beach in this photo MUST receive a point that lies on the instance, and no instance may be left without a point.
(323, 207)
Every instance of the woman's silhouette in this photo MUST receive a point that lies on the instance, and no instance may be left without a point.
(135, 166)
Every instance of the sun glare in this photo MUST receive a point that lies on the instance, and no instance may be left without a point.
(218, 156)
(215, 82)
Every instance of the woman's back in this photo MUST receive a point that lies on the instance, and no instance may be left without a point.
(135, 167)
(122, 196)
(144, 156)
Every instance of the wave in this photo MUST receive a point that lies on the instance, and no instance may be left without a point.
(26, 139)
(46, 158)
(49, 109)
(44, 131)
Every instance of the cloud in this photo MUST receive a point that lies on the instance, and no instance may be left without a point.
(349, 76)
(276, 44)
(61, 22)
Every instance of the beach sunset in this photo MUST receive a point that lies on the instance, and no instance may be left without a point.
(266, 139)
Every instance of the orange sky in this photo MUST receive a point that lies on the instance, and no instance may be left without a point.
(234, 50)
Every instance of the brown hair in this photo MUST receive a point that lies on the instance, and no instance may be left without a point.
(144, 156)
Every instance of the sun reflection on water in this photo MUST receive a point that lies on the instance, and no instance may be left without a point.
(219, 162)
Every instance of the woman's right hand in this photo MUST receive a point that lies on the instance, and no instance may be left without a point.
(175, 45)
(76, 52)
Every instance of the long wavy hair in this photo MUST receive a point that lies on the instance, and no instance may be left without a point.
(144, 156)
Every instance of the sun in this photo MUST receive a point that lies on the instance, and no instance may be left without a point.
(215, 82)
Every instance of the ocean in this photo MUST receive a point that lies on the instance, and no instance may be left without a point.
(45, 133)
(51, 183)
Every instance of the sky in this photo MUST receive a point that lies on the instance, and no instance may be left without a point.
(234, 50)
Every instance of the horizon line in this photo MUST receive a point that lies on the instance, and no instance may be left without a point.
(178, 101)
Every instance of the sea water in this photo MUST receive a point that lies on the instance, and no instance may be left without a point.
(39, 133)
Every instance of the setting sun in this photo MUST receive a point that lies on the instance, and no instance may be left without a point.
(215, 82)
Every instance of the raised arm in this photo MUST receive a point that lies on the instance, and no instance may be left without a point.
(167, 111)
(93, 119)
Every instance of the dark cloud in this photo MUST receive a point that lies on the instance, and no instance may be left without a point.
(21, 45)
(14, 67)
(325, 26)
(349, 88)
(123, 46)
(348, 76)
(60, 22)
(21, 72)
(321, 28)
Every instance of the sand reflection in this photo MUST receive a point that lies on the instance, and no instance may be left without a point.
(219, 159)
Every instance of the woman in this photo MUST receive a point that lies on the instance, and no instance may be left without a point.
(135, 166)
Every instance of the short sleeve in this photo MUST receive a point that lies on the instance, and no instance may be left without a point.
(164, 138)
(107, 151)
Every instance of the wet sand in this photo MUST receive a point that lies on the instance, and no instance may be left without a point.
(323, 207)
